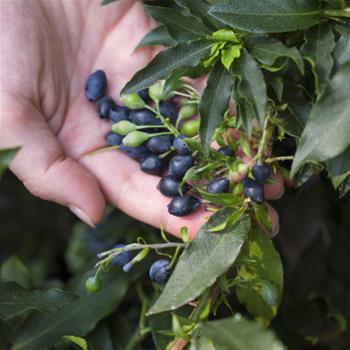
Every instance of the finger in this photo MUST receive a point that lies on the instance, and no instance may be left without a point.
(42, 166)
(274, 191)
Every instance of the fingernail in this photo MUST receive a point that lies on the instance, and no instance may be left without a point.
(281, 194)
(276, 231)
(81, 215)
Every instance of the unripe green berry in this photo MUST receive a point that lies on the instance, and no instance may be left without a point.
(93, 284)
(135, 138)
(132, 101)
(188, 111)
(190, 128)
(156, 91)
(123, 127)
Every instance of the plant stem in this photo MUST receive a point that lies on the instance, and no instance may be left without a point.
(338, 13)
(178, 93)
(277, 159)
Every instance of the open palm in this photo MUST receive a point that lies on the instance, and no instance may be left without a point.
(48, 50)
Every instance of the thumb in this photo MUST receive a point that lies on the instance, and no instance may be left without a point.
(42, 166)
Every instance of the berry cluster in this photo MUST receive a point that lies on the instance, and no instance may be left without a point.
(156, 132)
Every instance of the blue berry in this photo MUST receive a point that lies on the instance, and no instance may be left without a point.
(96, 85)
(144, 95)
(104, 105)
(180, 146)
(183, 205)
(254, 190)
(121, 259)
(119, 113)
(168, 110)
(144, 117)
(179, 165)
(140, 152)
(152, 164)
(226, 150)
(169, 186)
(221, 185)
(159, 272)
(113, 139)
(261, 172)
(160, 144)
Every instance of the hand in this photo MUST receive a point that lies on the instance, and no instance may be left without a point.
(48, 50)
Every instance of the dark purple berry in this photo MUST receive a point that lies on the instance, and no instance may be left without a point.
(254, 190)
(119, 113)
(144, 117)
(221, 185)
(180, 146)
(104, 105)
(160, 144)
(152, 164)
(168, 110)
(113, 139)
(159, 272)
(121, 259)
(261, 172)
(179, 165)
(144, 95)
(96, 85)
(183, 205)
(226, 150)
(169, 186)
(140, 152)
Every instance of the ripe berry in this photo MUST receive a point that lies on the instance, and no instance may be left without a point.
(221, 185)
(160, 144)
(152, 164)
(119, 113)
(254, 190)
(144, 117)
(96, 85)
(261, 172)
(183, 205)
(168, 110)
(191, 128)
(180, 146)
(139, 153)
(121, 259)
(159, 272)
(179, 165)
(93, 284)
(104, 105)
(113, 139)
(226, 150)
(144, 95)
(169, 186)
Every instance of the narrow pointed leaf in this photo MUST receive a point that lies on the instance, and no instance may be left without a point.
(214, 103)
(157, 36)
(182, 55)
(208, 256)
(270, 16)
(6, 156)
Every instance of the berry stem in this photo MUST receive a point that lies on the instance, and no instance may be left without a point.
(278, 159)
(338, 13)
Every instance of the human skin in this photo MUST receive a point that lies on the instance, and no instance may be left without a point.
(48, 48)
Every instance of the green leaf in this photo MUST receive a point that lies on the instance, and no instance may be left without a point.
(15, 300)
(157, 36)
(106, 2)
(317, 49)
(81, 342)
(209, 256)
(78, 318)
(341, 53)
(327, 131)
(340, 4)
(181, 28)
(269, 50)
(339, 168)
(183, 55)
(13, 270)
(260, 276)
(200, 9)
(100, 338)
(214, 103)
(6, 156)
(269, 16)
(229, 54)
(250, 90)
(262, 216)
(227, 199)
(237, 333)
